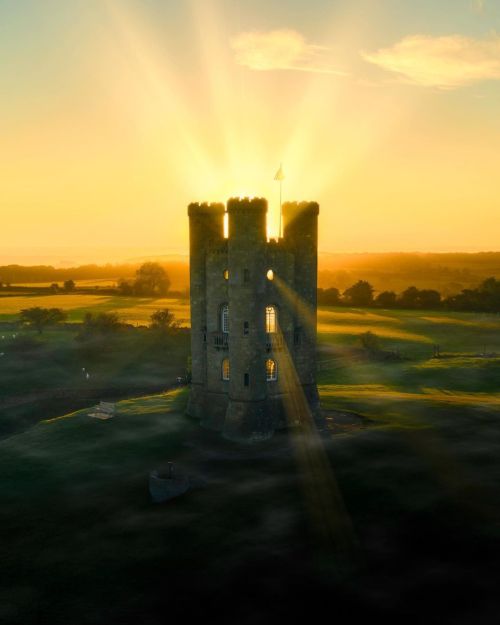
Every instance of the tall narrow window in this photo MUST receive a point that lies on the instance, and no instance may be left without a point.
(271, 370)
(246, 328)
(225, 369)
(271, 319)
(224, 318)
(246, 379)
(296, 336)
(246, 275)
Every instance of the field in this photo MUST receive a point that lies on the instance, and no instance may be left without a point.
(134, 310)
(392, 512)
(467, 375)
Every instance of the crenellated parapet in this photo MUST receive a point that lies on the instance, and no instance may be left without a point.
(206, 208)
(238, 204)
(293, 210)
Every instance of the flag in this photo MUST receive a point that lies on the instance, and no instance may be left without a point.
(279, 174)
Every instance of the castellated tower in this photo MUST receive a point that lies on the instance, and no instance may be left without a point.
(253, 317)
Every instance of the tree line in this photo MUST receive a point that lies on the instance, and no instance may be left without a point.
(151, 280)
(37, 318)
(484, 298)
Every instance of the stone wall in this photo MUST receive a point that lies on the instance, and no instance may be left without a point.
(233, 271)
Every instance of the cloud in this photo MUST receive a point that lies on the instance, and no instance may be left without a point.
(446, 62)
(280, 49)
(478, 6)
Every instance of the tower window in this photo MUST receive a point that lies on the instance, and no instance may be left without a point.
(226, 274)
(225, 369)
(246, 379)
(296, 336)
(246, 328)
(271, 370)
(271, 319)
(270, 274)
(246, 275)
(224, 318)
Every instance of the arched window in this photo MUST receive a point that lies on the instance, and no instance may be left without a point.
(225, 369)
(271, 370)
(224, 318)
(271, 319)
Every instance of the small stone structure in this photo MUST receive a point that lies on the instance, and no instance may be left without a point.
(165, 485)
(253, 317)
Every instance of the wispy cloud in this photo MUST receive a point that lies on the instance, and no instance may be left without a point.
(281, 49)
(446, 62)
(478, 6)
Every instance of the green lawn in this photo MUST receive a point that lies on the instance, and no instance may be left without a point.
(417, 382)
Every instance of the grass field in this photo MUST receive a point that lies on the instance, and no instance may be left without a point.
(413, 529)
(98, 282)
(467, 374)
(134, 310)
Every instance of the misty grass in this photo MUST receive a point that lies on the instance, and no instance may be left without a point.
(419, 481)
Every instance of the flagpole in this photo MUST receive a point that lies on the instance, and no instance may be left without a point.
(279, 232)
(279, 176)
(281, 182)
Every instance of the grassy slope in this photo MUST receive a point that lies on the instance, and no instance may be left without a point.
(459, 379)
(43, 376)
(86, 546)
(419, 485)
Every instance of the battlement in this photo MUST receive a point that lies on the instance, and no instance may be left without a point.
(291, 210)
(255, 204)
(206, 208)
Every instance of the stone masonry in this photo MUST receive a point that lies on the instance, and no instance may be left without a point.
(253, 317)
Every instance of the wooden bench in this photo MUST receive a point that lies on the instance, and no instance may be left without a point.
(104, 410)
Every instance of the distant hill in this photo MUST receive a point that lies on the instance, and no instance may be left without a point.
(448, 272)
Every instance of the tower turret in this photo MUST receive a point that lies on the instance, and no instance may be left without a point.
(247, 276)
(206, 228)
(301, 237)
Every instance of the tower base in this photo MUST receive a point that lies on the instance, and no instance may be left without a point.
(196, 401)
(247, 421)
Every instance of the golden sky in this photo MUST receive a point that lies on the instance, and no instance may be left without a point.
(115, 114)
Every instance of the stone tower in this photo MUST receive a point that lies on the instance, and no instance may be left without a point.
(253, 317)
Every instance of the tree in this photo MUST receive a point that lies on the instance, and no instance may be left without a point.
(414, 298)
(164, 320)
(370, 341)
(429, 298)
(125, 287)
(386, 299)
(151, 279)
(489, 294)
(409, 298)
(69, 285)
(54, 287)
(39, 318)
(102, 323)
(359, 294)
(329, 297)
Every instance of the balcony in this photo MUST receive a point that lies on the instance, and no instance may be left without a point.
(220, 340)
